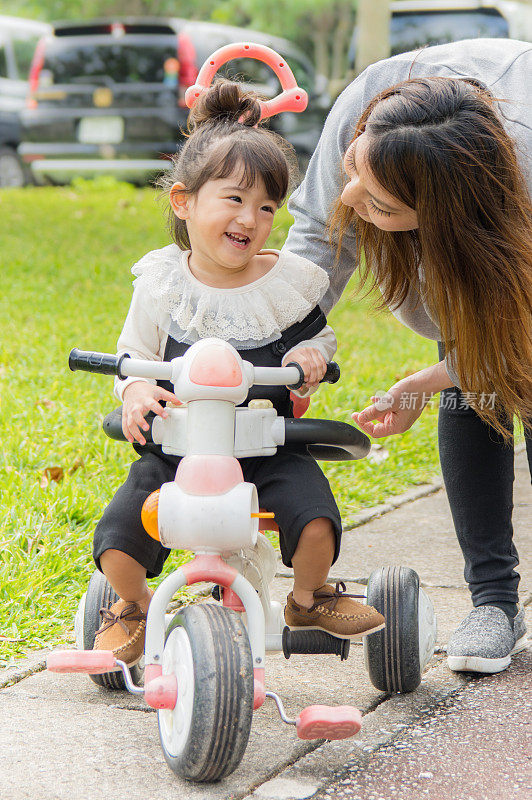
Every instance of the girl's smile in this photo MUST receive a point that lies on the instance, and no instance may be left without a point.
(238, 240)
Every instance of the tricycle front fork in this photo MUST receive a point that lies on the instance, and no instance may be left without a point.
(205, 567)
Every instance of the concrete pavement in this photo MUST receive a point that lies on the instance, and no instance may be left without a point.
(477, 744)
(61, 737)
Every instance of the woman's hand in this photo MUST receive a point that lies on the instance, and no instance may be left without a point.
(139, 398)
(312, 363)
(396, 410)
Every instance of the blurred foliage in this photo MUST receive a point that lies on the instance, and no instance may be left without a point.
(320, 27)
(52, 10)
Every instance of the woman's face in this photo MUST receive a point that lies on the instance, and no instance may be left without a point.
(368, 198)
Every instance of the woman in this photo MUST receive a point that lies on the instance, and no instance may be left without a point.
(433, 186)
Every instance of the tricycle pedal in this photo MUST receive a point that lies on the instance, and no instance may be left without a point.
(328, 722)
(92, 662)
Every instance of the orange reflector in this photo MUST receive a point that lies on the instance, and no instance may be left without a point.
(263, 515)
(149, 515)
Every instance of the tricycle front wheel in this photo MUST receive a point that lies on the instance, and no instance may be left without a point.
(204, 737)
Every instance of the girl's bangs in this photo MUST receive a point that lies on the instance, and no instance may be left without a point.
(251, 163)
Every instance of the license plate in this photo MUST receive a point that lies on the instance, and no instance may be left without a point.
(101, 130)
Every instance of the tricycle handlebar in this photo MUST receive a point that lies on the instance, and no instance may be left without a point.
(327, 440)
(123, 366)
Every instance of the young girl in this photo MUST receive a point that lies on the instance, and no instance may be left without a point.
(228, 180)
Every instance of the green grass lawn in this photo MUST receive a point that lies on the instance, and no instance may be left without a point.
(66, 258)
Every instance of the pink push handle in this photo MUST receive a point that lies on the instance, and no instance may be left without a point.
(328, 722)
(93, 662)
(292, 98)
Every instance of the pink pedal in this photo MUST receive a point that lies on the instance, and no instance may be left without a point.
(93, 662)
(328, 722)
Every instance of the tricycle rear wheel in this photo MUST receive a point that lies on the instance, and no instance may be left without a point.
(100, 594)
(392, 655)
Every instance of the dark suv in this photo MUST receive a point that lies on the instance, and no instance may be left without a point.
(103, 99)
(18, 38)
(108, 96)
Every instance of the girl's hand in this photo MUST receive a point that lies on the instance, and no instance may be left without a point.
(396, 410)
(312, 363)
(139, 398)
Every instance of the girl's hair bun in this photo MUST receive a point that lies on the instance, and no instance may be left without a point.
(225, 101)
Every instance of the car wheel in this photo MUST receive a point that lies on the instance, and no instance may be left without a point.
(12, 172)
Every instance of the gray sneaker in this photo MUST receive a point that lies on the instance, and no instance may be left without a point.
(486, 640)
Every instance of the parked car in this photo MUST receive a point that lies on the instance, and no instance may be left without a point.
(417, 23)
(18, 38)
(302, 130)
(107, 96)
(103, 98)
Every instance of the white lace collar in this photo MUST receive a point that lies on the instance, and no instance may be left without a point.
(258, 311)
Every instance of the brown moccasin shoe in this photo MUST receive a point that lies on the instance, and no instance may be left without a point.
(335, 612)
(123, 631)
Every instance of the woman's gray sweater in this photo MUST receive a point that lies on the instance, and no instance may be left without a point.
(504, 66)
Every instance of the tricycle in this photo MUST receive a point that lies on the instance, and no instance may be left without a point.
(204, 667)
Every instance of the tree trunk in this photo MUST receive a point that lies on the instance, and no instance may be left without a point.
(340, 42)
(320, 37)
(373, 38)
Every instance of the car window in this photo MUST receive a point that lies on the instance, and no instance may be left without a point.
(205, 43)
(24, 50)
(116, 62)
(248, 70)
(410, 30)
(3, 62)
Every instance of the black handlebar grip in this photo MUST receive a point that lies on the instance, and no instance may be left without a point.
(112, 426)
(103, 363)
(332, 374)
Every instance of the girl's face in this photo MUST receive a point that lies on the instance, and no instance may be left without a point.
(227, 223)
(368, 198)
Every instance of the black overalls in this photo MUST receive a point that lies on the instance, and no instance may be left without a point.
(290, 483)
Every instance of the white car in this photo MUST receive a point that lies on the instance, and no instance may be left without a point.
(418, 23)
(18, 38)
